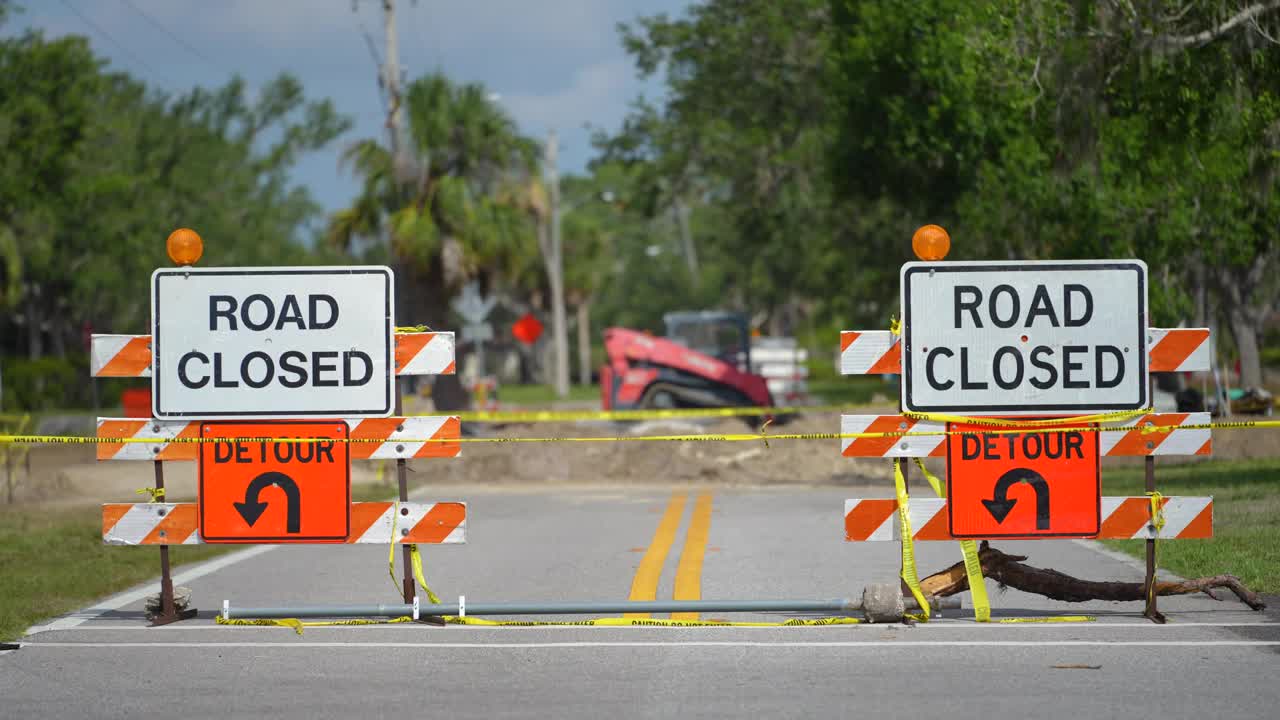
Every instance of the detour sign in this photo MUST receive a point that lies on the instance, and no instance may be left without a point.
(274, 491)
(1043, 484)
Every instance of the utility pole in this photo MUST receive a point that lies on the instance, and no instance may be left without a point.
(555, 270)
(681, 211)
(391, 79)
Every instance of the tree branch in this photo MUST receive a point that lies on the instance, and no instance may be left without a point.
(1182, 42)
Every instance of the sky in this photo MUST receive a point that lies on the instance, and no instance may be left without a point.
(552, 63)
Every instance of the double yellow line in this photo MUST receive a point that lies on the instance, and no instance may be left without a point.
(689, 570)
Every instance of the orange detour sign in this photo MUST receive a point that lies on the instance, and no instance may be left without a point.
(275, 491)
(1044, 484)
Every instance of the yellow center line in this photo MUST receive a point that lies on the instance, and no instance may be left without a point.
(689, 571)
(645, 584)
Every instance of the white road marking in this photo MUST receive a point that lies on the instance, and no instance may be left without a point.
(690, 643)
(115, 602)
(936, 625)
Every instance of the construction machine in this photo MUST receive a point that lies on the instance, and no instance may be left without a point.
(703, 361)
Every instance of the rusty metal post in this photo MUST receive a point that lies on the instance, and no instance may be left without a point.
(1151, 612)
(168, 609)
(402, 476)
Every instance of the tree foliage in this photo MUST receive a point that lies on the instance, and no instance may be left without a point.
(98, 169)
(818, 135)
(463, 201)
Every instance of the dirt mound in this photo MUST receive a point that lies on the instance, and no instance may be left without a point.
(805, 462)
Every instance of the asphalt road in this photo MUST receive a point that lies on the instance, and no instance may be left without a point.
(1214, 658)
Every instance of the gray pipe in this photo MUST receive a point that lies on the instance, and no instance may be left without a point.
(839, 607)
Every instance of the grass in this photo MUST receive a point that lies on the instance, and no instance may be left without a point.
(1246, 519)
(53, 561)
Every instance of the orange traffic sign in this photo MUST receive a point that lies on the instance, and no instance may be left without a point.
(1029, 485)
(282, 490)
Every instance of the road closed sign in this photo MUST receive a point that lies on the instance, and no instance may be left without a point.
(272, 342)
(1035, 484)
(258, 490)
(1058, 337)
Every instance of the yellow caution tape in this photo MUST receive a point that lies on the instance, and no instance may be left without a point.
(977, 584)
(972, 565)
(1056, 619)
(720, 437)
(908, 550)
(1232, 425)
(416, 557)
(413, 329)
(1019, 423)
(391, 552)
(157, 494)
(1157, 519)
(298, 625)
(934, 482)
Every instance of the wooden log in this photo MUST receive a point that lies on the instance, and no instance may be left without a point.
(1010, 571)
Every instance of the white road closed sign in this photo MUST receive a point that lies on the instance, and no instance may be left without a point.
(272, 342)
(1024, 337)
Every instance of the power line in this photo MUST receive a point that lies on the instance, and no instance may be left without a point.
(110, 38)
(172, 35)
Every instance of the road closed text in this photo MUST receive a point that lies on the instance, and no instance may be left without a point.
(1024, 337)
(1010, 366)
(258, 369)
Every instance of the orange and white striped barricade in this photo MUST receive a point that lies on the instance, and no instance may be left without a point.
(163, 524)
(1131, 437)
(891, 446)
(1134, 436)
(1179, 349)
(417, 353)
(1123, 518)
(379, 523)
(402, 438)
(870, 352)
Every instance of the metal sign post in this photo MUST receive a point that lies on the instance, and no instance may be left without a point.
(474, 311)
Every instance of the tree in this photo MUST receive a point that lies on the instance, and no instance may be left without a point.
(1077, 129)
(98, 170)
(741, 134)
(459, 210)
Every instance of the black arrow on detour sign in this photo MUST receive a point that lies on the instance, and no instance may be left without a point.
(251, 509)
(1000, 505)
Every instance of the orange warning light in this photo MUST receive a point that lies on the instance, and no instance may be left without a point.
(931, 242)
(184, 246)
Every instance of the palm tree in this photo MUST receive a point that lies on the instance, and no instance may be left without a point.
(458, 203)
